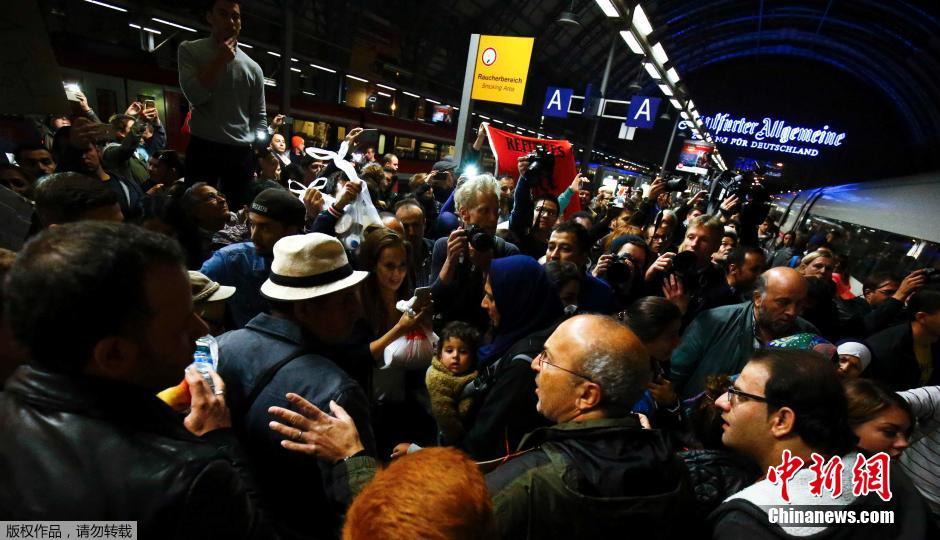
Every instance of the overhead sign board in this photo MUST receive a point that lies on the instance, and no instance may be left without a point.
(771, 134)
(642, 112)
(557, 102)
(694, 157)
(502, 68)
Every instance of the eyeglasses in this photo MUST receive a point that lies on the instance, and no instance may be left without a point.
(734, 395)
(541, 360)
(546, 211)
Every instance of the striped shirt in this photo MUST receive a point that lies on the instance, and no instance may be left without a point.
(921, 460)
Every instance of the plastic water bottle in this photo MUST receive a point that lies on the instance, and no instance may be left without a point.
(206, 358)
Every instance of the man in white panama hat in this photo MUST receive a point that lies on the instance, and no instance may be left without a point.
(298, 348)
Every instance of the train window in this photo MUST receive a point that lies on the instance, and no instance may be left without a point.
(427, 151)
(356, 93)
(404, 147)
(315, 133)
(868, 250)
(381, 144)
(447, 150)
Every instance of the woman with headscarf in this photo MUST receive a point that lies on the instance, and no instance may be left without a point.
(524, 309)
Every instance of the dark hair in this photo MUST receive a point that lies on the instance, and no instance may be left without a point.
(924, 300)
(118, 121)
(808, 384)
(650, 316)
(547, 197)
(462, 331)
(65, 197)
(579, 232)
(867, 399)
(875, 279)
(581, 214)
(737, 255)
(561, 272)
(172, 160)
(210, 4)
(409, 200)
(82, 282)
(377, 240)
(28, 147)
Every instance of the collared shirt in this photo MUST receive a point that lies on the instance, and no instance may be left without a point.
(240, 266)
(233, 109)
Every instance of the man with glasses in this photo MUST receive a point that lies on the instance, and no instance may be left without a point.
(594, 474)
(882, 300)
(720, 340)
(792, 401)
(531, 221)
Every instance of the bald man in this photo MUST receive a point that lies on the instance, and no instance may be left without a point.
(721, 340)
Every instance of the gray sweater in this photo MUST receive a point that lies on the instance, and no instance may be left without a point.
(232, 110)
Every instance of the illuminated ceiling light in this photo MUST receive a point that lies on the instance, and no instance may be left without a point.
(608, 8)
(173, 24)
(416, 96)
(145, 29)
(385, 87)
(497, 121)
(672, 75)
(511, 125)
(659, 54)
(631, 41)
(294, 60)
(245, 45)
(666, 90)
(483, 117)
(383, 94)
(434, 101)
(651, 69)
(322, 68)
(640, 22)
(309, 93)
(456, 108)
(272, 53)
(685, 115)
(353, 77)
(109, 6)
(295, 69)
(268, 81)
(675, 103)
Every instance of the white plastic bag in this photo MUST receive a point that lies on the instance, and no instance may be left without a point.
(413, 351)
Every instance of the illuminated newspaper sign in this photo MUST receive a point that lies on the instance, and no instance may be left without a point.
(771, 134)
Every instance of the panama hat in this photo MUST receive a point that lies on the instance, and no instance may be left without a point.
(306, 266)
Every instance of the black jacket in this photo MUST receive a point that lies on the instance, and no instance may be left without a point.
(78, 448)
(594, 479)
(864, 320)
(893, 360)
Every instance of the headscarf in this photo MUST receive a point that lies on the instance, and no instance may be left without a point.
(860, 351)
(526, 302)
(806, 342)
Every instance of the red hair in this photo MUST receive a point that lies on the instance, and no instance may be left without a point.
(436, 493)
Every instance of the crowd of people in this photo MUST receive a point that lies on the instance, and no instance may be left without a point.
(440, 356)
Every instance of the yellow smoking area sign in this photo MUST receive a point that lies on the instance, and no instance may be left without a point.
(502, 67)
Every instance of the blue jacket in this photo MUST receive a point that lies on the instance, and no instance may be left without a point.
(596, 296)
(719, 341)
(240, 266)
(244, 355)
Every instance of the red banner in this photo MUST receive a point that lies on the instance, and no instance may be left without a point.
(508, 147)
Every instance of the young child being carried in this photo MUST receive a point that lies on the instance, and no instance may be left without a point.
(451, 369)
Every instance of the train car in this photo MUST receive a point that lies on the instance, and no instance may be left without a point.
(887, 225)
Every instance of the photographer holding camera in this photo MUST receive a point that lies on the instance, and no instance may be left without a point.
(461, 259)
(703, 281)
(531, 221)
(138, 134)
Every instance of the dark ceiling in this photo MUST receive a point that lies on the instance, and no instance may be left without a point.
(873, 65)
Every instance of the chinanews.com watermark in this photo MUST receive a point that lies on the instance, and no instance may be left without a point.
(826, 515)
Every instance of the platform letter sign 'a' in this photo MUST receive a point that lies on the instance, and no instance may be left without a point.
(642, 111)
(557, 101)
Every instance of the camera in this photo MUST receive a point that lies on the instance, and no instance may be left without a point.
(683, 262)
(541, 165)
(618, 271)
(932, 275)
(676, 184)
(479, 239)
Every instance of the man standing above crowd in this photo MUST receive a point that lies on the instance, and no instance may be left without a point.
(411, 215)
(85, 437)
(225, 88)
(571, 242)
(721, 340)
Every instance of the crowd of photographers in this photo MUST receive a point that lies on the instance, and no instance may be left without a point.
(444, 355)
